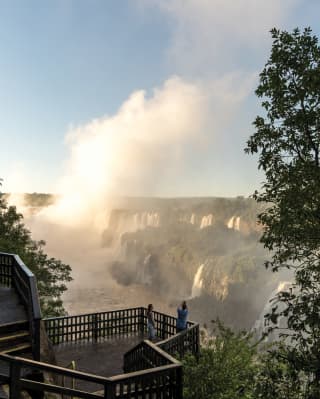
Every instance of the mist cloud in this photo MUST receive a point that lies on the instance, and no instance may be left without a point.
(213, 36)
(141, 147)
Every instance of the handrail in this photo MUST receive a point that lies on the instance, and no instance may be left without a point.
(71, 366)
(171, 375)
(156, 348)
(15, 273)
(92, 326)
(146, 355)
(33, 287)
(185, 341)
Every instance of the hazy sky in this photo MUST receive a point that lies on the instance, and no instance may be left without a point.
(140, 97)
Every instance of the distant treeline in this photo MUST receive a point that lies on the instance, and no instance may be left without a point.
(36, 199)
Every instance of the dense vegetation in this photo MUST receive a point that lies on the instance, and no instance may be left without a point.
(225, 369)
(52, 274)
(287, 141)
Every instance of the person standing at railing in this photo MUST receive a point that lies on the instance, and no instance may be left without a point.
(150, 323)
(182, 312)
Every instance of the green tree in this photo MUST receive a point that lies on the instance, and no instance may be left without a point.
(276, 377)
(225, 368)
(287, 139)
(52, 275)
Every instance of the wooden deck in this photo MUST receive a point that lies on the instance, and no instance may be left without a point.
(103, 358)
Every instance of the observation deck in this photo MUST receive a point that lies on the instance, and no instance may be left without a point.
(102, 354)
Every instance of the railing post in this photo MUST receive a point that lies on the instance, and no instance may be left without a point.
(198, 342)
(109, 390)
(95, 326)
(179, 382)
(15, 370)
(36, 340)
(141, 321)
(164, 325)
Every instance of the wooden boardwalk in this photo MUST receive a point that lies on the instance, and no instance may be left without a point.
(103, 358)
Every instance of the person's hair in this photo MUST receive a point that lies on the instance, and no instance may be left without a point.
(150, 306)
(184, 305)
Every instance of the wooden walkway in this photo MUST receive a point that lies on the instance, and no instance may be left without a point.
(11, 309)
(104, 358)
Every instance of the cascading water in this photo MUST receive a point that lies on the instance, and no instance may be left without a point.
(234, 223)
(193, 219)
(206, 221)
(140, 221)
(259, 326)
(230, 223)
(197, 282)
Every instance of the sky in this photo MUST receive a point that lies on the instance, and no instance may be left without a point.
(135, 97)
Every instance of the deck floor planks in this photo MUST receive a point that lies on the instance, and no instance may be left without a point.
(103, 358)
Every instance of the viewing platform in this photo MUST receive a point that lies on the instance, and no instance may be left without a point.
(102, 354)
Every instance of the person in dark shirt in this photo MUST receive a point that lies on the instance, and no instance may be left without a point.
(182, 312)
(150, 323)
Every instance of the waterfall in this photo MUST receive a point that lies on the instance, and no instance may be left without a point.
(230, 223)
(259, 326)
(234, 223)
(197, 282)
(206, 221)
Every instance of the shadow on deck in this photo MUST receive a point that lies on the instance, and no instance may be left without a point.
(104, 357)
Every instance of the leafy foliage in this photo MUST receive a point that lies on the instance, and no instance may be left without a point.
(277, 378)
(224, 370)
(287, 140)
(52, 275)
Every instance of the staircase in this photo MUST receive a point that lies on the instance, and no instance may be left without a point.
(15, 339)
(14, 326)
(14, 332)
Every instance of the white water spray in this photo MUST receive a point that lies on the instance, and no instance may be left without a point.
(259, 326)
(197, 282)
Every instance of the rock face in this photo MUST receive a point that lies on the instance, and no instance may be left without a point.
(237, 214)
(203, 249)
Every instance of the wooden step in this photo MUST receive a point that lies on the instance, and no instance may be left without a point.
(13, 339)
(3, 394)
(13, 327)
(13, 336)
(17, 349)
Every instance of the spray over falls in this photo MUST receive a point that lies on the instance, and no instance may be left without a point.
(172, 249)
(197, 283)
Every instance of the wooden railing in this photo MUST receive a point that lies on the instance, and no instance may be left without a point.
(186, 341)
(14, 273)
(93, 326)
(158, 382)
(165, 325)
(145, 355)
